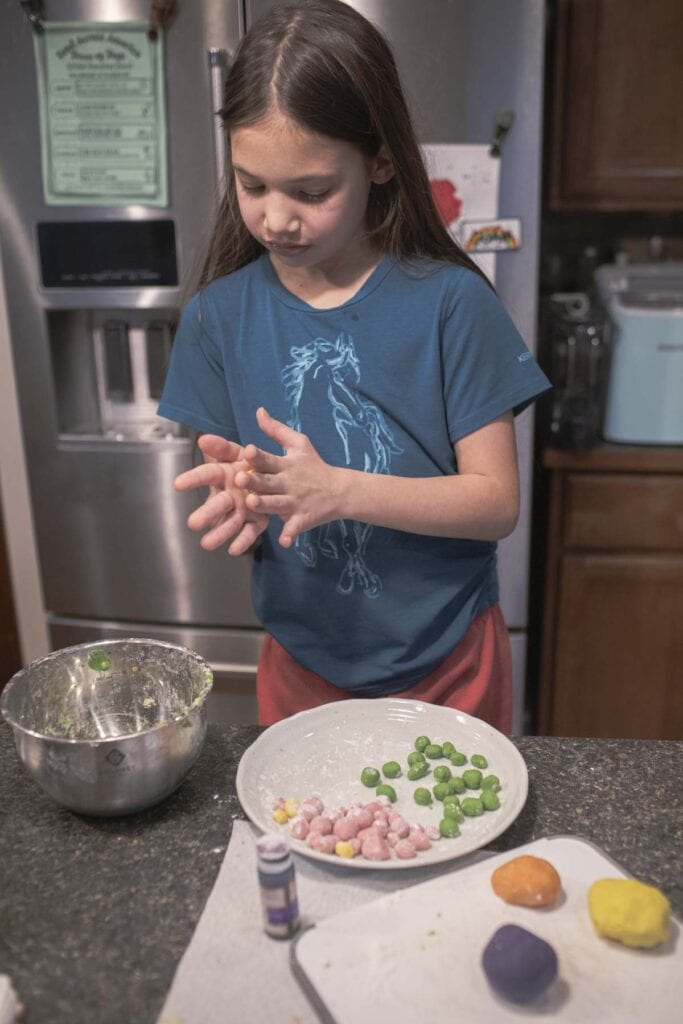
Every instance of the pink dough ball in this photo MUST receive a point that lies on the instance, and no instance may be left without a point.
(366, 833)
(321, 823)
(326, 844)
(399, 825)
(375, 848)
(316, 802)
(419, 838)
(346, 828)
(361, 815)
(405, 849)
(298, 828)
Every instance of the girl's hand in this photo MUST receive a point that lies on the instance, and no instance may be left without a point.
(298, 486)
(224, 514)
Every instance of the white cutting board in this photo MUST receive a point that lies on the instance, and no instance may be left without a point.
(415, 955)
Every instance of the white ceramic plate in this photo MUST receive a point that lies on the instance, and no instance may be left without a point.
(323, 752)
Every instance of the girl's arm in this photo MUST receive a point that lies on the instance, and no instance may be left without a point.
(480, 502)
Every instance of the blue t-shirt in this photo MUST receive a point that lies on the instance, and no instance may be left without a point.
(421, 356)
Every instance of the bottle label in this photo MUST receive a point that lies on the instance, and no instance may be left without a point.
(280, 910)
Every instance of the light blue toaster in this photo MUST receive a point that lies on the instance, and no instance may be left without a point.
(644, 301)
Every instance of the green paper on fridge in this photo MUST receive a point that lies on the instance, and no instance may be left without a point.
(102, 114)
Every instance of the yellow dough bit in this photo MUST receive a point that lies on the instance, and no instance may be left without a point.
(291, 807)
(629, 911)
(343, 849)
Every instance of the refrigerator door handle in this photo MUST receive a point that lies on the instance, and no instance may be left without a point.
(231, 668)
(219, 61)
(34, 11)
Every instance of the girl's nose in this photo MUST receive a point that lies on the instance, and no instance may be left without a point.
(279, 217)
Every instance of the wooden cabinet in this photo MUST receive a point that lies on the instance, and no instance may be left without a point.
(617, 120)
(612, 658)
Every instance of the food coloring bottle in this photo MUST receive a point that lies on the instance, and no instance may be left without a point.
(278, 887)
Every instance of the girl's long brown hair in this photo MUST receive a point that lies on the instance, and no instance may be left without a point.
(329, 69)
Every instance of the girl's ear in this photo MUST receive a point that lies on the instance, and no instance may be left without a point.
(382, 167)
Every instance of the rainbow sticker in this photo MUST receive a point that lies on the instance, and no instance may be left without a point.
(491, 235)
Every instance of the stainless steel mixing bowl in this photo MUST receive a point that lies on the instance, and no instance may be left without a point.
(111, 727)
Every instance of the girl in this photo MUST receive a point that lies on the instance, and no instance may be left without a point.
(355, 379)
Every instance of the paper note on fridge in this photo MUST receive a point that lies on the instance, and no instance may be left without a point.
(464, 180)
(102, 114)
(501, 235)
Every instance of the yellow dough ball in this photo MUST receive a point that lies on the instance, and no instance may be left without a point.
(629, 911)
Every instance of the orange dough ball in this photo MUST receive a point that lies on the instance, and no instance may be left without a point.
(526, 881)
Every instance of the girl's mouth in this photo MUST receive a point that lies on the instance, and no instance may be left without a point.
(286, 248)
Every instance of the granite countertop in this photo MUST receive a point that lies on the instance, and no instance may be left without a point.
(96, 913)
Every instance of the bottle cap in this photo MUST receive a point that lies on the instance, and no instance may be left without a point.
(272, 847)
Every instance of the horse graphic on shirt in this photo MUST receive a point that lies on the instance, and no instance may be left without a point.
(331, 371)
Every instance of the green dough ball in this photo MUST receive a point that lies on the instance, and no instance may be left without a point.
(418, 771)
(422, 796)
(98, 661)
(440, 790)
(421, 742)
(385, 790)
(456, 785)
(369, 777)
(391, 770)
(479, 761)
(434, 750)
(442, 773)
(472, 806)
(458, 759)
(472, 778)
(449, 827)
(491, 782)
(448, 748)
(490, 800)
(416, 757)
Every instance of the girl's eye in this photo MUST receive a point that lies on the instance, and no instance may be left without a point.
(306, 197)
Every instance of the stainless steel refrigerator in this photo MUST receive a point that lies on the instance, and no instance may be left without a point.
(94, 283)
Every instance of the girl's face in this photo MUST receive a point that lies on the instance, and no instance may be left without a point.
(304, 196)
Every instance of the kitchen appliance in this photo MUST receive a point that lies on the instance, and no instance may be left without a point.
(109, 728)
(93, 292)
(578, 339)
(645, 389)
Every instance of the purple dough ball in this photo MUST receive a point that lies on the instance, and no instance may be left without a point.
(519, 965)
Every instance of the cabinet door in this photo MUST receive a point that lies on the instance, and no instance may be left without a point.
(618, 119)
(619, 647)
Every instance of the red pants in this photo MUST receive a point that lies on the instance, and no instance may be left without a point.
(475, 678)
